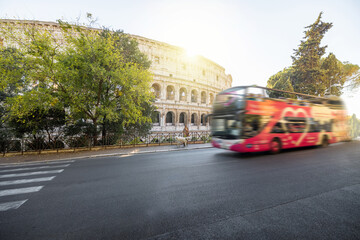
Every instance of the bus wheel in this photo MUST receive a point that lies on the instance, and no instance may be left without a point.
(325, 142)
(275, 146)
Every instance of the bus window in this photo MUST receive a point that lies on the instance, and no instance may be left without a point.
(248, 130)
(278, 128)
(328, 126)
(229, 101)
(254, 124)
(226, 128)
(233, 127)
(255, 94)
(314, 126)
(335, 104)
(218, 125)
(297, 126)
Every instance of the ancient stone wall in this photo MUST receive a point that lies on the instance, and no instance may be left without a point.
(185, 87)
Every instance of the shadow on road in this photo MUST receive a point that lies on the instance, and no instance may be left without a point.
(236, 155)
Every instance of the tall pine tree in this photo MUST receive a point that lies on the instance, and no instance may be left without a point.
(311, 72)
(309, 77)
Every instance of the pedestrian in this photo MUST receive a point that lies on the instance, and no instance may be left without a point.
(186, 131)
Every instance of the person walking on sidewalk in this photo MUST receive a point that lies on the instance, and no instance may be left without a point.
(185, 131)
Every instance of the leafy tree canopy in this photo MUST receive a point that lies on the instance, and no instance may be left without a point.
(91, 74)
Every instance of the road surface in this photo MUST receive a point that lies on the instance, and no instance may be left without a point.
(311, 193)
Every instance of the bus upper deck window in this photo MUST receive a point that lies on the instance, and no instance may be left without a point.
(255, 94)
(251, 97)
(254, 97)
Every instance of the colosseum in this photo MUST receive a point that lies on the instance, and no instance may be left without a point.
(184, 87)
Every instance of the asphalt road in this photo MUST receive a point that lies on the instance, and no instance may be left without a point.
(199, 194)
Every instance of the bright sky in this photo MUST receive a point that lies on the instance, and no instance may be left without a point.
(252, 39)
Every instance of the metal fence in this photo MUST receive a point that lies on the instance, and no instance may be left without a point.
(79, 143)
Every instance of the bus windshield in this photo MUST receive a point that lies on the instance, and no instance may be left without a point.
(227, 128)
(244, 126)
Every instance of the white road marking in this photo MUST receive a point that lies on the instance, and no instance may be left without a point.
(34, 164)
(33, 168)
(20, 191)
(11, 205)
(30, 173)
(338, 143)
(22, 181)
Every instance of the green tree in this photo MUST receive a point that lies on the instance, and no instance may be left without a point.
(38, 123)
(95, 74)
(12, 71)
(353, 76)
(313, 74)
(308, 75)
(12, 78)
(30, 79)
(99, 77)
(281, 81)
(336, 74)
(116, 129)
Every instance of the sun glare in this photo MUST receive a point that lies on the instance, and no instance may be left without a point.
(200, 32)
(191, 52)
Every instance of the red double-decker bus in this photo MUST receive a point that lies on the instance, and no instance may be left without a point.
(246, 119)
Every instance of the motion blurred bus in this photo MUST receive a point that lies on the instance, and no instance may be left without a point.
(254, 119)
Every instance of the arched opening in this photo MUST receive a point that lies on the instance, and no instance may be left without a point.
(182, 118)
(194, 96)
(156, 118)
(170, 93)
(182, 96)
(169, 118)
(193, 119)
(203, 97)
(203, 120)
(156, 90)
(211, 99)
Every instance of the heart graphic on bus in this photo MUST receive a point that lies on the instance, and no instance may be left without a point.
(295, 113)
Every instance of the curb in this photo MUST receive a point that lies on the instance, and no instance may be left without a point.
(102, 155)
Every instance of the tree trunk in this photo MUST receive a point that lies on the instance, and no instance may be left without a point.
(95, 132)
(104, 131)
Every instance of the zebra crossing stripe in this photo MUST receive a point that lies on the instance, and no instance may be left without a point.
(35, 164)
(20, 191)
(11, 205)
(33, 168)
(30, 173)
(22, 181)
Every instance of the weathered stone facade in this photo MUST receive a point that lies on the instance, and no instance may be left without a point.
(185, 87)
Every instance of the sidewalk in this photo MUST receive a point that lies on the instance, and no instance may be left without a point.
(99, 153)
